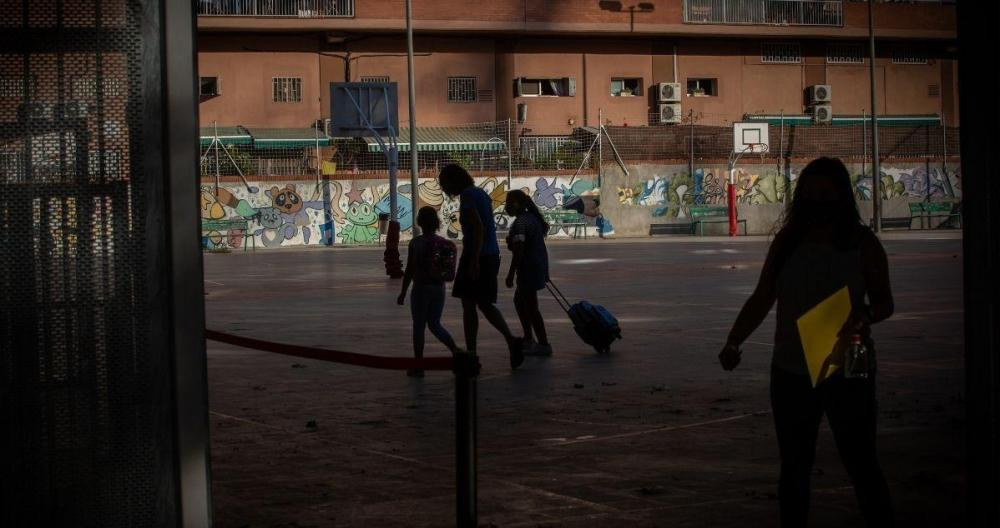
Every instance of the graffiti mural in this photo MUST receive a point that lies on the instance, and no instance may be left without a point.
(346, 211)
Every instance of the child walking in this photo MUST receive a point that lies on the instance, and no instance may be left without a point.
(530, 267)
(427, 267)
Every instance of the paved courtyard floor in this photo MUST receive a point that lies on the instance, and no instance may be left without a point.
(654, 434)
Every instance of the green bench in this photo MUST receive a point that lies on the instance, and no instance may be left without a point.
(208, 226)
(711, 214)
(925, 211)
(567, 220)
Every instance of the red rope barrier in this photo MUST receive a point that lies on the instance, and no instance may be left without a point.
(336, 356)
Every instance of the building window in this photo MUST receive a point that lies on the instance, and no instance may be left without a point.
(461, 89)
(908, 56)
(845, 54)
(626, 86)
(535, 87)
(83, 88)
(286, 89)
(13, 87)
(209, 86)
(781, 53)
(378, 79)
(703, 87)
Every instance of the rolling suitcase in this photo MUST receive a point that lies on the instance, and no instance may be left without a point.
(592, 322)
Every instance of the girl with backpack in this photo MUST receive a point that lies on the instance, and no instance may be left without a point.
(530, 267)
(430, 263)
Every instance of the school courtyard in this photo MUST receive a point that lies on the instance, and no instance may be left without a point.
(653, 434)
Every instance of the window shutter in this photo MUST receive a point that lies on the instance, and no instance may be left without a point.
(517, 88)
(570, 84)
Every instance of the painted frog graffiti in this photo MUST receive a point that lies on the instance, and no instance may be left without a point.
(360, 228)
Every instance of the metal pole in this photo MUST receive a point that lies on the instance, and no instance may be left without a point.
(414, 154)
(466, 371)
(691, 130)
(600, 146)
(864, 139)
(215, 141)
(510, 153)
(876, 171)
(782, 167)
(319, 162)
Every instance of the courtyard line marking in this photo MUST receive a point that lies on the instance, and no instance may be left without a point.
(663, 429)
(214, 282)
(545, 493)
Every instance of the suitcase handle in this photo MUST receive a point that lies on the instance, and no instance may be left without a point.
(558, 295)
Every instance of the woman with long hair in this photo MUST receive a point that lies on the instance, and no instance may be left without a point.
(821, 247)
(530, 266)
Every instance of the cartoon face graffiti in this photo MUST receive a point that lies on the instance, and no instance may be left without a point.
(270, 217)
(286, 200)
(362, 214)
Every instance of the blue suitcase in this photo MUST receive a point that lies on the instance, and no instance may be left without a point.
(592, 322)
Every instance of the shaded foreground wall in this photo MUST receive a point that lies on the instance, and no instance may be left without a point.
(298, 212)
(664, 193)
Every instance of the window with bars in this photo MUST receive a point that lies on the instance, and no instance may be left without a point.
(286, 89)
(781, 53)
(461, 89)
(83, 88)
(13, 87)
(845, 54)
(908, 56)
(381, 79)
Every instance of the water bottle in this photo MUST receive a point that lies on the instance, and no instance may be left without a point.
(857, 359)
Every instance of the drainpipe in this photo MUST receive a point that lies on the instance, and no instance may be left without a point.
(675, 62)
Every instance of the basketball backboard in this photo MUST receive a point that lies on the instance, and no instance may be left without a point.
(351, 104)
(750, 138)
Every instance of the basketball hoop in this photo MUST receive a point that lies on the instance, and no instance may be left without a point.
(748, 137)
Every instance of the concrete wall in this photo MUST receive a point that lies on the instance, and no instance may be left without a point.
(660, 193)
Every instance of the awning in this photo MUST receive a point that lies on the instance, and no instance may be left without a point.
(288, 137)
(847, 120)
(444, 139)
(227, 135)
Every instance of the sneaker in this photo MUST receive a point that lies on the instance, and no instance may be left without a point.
(415, 373)
(539, 349)
(516, 347)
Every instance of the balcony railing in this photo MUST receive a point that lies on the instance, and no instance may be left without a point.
(277, 8)
(765, 12)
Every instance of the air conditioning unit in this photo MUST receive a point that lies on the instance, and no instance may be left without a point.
(822, 114)
(322, 125)
(670, 113)
(820, 93)
(669, 92)
(36, 112)
(73, 110)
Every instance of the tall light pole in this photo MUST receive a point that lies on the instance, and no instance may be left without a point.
(414, 169)
(876, 171)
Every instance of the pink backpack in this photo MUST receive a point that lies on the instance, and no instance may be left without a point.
(442, 256)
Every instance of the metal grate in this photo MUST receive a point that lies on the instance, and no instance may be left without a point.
(380, 79)
(780, 53)
(845, 54)
(86, 416)
(461, 89)
(286, 89)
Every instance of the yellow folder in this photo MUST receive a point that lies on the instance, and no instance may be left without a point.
(818, 330)
(329, 168)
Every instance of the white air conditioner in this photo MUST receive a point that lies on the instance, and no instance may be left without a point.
(670, 113)
(669, 92)
(822, 114)
(820, 93)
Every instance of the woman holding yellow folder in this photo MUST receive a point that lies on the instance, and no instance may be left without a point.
(821, 248)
